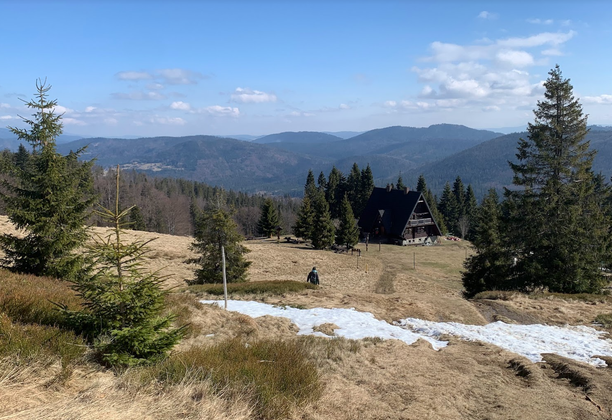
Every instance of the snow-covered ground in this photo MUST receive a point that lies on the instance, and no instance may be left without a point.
(578, 342)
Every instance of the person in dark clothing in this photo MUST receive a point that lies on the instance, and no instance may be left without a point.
(313, 276)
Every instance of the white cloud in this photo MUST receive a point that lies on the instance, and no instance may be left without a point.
(3, 105)
(344, 106)
(182, 106)
(139, 96)
(133, 75)
(6, 117)
(73, 121)
(247, 95)
(155, 86)
(491, 108)
(601, 99)
(90, 109)
(58, 109)
(552, 52)
(301, 114)
(487, 15)
(179, 76)
(514, 58)
(111, 121)
(541, 21)
(219, 111)
(545, 38)
(167, 121)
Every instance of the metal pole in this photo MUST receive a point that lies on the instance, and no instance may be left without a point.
(414, 260)
(224, 275)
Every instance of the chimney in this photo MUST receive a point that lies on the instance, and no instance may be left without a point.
(406, 190)
(389, 187)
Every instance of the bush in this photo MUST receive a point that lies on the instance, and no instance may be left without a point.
(275, 287)
(605, 320)
(24, 343)
(29, 299)
(275, 375)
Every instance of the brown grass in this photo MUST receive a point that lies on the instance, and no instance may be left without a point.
(366, 379)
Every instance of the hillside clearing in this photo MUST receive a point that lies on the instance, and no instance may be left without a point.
(364, 379)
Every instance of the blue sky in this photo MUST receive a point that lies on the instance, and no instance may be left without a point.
(253, 67)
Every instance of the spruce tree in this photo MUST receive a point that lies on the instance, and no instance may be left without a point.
(559, 231)
(459, 193)
(353, 185)
(400, 183)
(123, 304)
(137, 221)
(49, 198)
(216, 229)
(269, 219)
(348, 231)
(449, 208)
(321, 182)
(471, 208)
(323, 230)
(366, 186)
(310, 188)
(421, 185)
(333, 190)
(489, 267)
(304, 220)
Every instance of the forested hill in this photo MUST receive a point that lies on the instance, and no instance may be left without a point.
(301, 137)
(280, 167)
(486, 165)
(417, 145)
(223, 162)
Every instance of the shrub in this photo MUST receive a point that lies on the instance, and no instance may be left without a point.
(275, 375)
(275, 287)
(29, 299)
(24, 343)
(605, 320)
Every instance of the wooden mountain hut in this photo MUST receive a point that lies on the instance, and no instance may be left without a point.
(396, 216)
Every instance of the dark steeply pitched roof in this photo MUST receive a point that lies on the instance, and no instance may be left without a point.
(396, 206)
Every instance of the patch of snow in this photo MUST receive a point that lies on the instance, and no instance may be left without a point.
(578, 342)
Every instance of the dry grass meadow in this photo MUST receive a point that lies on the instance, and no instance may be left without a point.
(367, 379)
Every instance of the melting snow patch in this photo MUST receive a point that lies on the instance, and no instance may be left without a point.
(579, 343)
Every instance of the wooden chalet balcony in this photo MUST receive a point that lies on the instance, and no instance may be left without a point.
(420, 222)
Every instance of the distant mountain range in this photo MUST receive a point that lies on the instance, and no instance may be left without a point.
(279, 163)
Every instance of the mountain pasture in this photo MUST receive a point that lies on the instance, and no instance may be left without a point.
(361, 379)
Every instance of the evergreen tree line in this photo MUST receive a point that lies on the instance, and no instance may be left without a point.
(327, 214)
(552, 230)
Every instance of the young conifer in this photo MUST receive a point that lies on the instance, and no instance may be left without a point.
(215, 228)
(124, 304)
(269, 221)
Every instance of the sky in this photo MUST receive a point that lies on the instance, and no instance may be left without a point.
(156, 67)
(575, 342)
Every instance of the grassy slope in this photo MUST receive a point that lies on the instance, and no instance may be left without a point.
(367, 379)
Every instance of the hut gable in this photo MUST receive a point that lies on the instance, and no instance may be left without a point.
(400, 216)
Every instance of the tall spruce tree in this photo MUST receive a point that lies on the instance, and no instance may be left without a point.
(269, 220)
(321, 182)
(366, 186)
(323, 230)
(348, 232)
(559, 231)
(353, 185)
(333, 190)
(449, 208)
(215, 229)
(489, 267)
(471, 209)
(123, 302)
(310, 188)
(49, 198)
(304, 220)
(421, 184)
